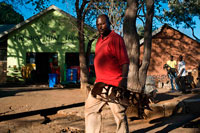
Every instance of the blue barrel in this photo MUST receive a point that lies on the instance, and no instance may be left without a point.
(52, 79)
(72, 75)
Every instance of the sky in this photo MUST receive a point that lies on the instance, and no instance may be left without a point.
(28, 11)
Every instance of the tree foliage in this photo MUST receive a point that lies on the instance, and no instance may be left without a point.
(183, 12)
(8, 15)
(114, 9)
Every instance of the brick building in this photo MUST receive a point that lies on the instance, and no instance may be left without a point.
(168, 41)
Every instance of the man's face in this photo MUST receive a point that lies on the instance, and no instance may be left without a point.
(102, 25)
(180, 58)
(171, 58)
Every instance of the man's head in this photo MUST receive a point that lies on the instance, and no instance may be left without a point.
(171, 58)
(180, 58)
(103, 25)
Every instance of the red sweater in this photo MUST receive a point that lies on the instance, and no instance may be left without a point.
(110, 55)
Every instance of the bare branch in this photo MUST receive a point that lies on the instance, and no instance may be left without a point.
(143, 10)
(141, 20)
(98, 8)
(193, 34)
(88, 7)
(83, 5)
(77, 7)
(159, 18)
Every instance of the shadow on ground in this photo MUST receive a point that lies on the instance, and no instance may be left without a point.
(165, 96)
(42, 112)
(185, 115)
(12, 91)
(171, 123)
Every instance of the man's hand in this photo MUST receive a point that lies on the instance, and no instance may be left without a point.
(123, 83)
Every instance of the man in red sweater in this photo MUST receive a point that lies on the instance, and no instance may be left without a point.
(111, 67)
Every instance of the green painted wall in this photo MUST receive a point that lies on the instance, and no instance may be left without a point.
(51, 32)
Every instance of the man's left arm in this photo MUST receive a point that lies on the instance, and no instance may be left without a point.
(183, 69)
(123, 82)
(122, 56)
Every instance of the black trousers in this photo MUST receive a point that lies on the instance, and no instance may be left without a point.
(180, 81)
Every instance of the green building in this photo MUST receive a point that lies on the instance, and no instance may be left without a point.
(51, 36)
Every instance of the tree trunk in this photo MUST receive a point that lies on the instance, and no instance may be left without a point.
(82, 56)
(82, 59)
(137, 76)
(84, 73)
(147, 41)
(131, 40)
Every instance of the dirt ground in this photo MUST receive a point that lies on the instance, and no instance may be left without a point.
(22, 110)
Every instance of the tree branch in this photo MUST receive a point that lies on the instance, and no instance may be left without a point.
(193, 34)
(139, 17)
(159, 18)
(88, 7)
(83, 6)
(77, 8)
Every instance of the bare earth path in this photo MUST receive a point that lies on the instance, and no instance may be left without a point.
(21, 109)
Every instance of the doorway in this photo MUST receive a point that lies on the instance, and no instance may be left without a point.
(42, 62)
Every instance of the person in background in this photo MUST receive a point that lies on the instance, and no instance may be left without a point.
(180, 80)
(172, 72)
(111, 64)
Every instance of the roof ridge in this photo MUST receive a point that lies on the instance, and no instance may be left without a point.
(155, 32)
